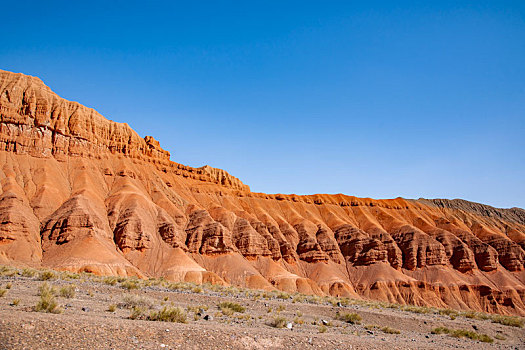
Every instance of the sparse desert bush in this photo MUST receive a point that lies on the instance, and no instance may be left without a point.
(15, 302)
(322, 329)
(47, 302)
(462, 333)
(499, 337)
(169, 314)
(197, 289)
(449, 312)
(182, 286)
(112, 308)
(131, 301)
(245, 317)
(137, 312)
(513, 321)
(46, 289)
(28, 272)
(281, 308)
(476, 315)
(7, 271)
(298, 320)
(416, 309)
(3, 292)
(352, 318)
(278, 322)
(130, 284)
(46, 275)
(71, 275)
(67, 291)
(441, 330)
(228, 308)
(389, 330)
(298, 298)
(197, 308)
(282, 295)
(110, 280)
(8, 285)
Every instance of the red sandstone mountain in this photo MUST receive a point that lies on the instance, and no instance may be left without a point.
(83, 193)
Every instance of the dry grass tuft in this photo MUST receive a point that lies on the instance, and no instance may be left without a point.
(229, 308)
(47, 302)
(131, 301)
(462, 333)
(67, 291)
(351, 318)
(278, 322)
(47, 275)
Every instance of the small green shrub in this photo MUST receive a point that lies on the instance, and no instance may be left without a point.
(169, 314)
(322, 329)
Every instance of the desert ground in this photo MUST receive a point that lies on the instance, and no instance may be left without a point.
(43, 309)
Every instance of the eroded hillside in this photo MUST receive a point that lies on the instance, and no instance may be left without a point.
(83, 193)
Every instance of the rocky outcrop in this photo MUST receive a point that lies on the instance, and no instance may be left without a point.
(83, 193)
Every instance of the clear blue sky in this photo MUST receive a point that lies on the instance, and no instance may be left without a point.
(372, 98)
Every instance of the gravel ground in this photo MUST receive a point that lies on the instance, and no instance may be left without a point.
(86, 323)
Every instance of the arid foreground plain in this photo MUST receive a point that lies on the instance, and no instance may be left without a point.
(63, 310)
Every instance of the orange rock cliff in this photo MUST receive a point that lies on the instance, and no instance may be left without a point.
(82, 193)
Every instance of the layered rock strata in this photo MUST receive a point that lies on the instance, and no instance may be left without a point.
(83, 193)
